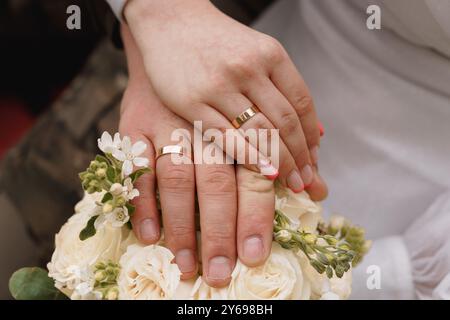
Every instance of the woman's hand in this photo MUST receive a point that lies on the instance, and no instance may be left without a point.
(236, 205)
(206, 66)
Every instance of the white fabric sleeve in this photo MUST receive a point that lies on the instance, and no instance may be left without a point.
(428, 243)
(385, 272)
(415, 265)
(117, 7)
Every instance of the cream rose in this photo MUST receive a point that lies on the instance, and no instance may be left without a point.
(280, 278)
(302, 212)
(147, 273)
(73, 260)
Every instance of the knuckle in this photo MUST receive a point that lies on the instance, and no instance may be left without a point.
(289, 123)
(256, 223)
(176, 178)
(254, 182)
(303, 104)
(301, 155)
(243, 65)
(217, 83)
(219, 236)
(180, 231)
(217, 180)
(272, 50)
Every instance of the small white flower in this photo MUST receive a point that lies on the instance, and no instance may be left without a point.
(148, 273)
(107, 144)
(129, 190)
(129, 154)
(126, 190)
(85, 291)
(116, 218)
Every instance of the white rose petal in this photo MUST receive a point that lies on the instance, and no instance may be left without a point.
(147, 273)
(73, 259)
(280, 278)
(302, 212)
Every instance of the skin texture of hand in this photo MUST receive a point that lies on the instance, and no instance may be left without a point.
(236, 204)
(203, 65)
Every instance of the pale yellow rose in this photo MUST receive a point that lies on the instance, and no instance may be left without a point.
(280, 278)
(148, 273)
(73, 260)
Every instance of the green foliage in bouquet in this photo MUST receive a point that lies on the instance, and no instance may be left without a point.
(34, 284)
(332, 249)
(330, 252)
(105, 174)
(353, 236)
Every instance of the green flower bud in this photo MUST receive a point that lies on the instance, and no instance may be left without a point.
(283, 236)
(320, 268)
(100, 276)
(332, 241)
(112, 294)
(310, 238)
(101, 173)
(120, 201)
(107, 207)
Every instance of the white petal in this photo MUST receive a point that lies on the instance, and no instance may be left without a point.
(100, 145)
(126, 144)
(140, 162)
(128, 184)
(138, 148)
(127, 168)
(133, 194)
(119, 155)
(100, 222)
(106, 138)
(117, 141)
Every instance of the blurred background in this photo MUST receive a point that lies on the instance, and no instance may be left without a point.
(59, 89)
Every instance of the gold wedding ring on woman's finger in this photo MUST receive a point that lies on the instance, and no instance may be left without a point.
(169, 149)
(244, 116)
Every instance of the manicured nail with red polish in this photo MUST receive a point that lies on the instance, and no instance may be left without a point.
(267, 169)
(321, 128)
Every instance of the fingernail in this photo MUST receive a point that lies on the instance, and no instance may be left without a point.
(307, 175)
(295, 182)
(219, 268)
(253, 249)
(148, 230)
(267, 169)
(185, 260)
(314, 152)
(321, 128)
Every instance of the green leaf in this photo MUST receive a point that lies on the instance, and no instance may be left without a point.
(33, 284)
(89, 230)
(100, 158)
(108, 196)
(131, 208)
(135, 175)
(129, 225)
(329, 272)
(111, 174)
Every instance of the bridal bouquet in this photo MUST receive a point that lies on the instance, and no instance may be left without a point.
(97, 255)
